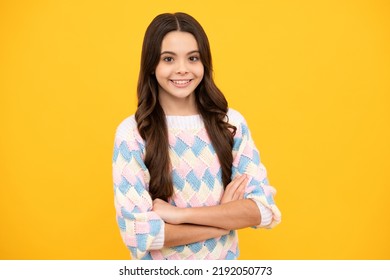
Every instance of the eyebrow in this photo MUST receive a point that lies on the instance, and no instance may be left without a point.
(173, 53)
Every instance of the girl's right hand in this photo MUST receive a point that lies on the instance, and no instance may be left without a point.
(235, 190)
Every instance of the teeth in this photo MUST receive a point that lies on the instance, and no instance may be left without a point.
(181, 82)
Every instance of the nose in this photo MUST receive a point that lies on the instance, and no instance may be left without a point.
(182, 68)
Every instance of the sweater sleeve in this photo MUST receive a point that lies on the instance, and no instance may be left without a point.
(246, 160)
(141, 229)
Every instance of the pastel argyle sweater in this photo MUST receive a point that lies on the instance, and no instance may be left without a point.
(197, 179)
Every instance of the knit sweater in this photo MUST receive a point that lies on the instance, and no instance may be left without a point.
(197, 181)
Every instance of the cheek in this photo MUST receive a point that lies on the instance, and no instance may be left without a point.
(160, 77)
(199, 71)
(162, 72)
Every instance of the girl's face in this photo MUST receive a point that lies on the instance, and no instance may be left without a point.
(179, 70)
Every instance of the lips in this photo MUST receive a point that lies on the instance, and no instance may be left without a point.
(181, 82)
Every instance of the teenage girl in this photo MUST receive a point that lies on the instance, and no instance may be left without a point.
(186, 171)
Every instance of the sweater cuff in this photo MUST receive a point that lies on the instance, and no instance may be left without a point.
(266, 215)
(158, 241)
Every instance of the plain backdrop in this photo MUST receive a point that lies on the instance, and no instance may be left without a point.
(310, 77)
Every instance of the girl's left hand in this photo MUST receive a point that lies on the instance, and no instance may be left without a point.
(169, 213)
(235, 190)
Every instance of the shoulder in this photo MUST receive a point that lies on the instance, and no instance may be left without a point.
(236, 118)
(127, 129)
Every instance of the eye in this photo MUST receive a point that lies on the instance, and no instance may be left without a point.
(168, 59)
(194, 58)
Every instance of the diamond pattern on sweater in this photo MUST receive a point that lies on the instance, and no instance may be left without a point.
(197, 180)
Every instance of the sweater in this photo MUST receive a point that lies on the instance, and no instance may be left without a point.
(197, 182)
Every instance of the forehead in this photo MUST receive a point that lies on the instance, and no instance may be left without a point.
(178, 41)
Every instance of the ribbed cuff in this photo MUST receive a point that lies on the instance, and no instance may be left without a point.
(266, 215)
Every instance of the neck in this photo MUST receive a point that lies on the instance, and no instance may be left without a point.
(174, 106)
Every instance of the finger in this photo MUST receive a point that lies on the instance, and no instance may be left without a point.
(235, 183)
(231, 189)
(236, 196)
(230, 192)
(244, 183)
(240, 191)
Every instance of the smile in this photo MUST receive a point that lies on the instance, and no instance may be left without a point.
(181, 83)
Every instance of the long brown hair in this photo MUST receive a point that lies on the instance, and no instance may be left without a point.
(150, 116)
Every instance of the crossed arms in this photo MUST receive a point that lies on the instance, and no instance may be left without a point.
(188, 225)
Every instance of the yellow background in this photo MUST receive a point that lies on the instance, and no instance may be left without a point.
(311, 78)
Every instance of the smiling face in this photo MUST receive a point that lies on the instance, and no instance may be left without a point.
(178, 73)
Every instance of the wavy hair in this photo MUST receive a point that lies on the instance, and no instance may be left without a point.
(150, 117)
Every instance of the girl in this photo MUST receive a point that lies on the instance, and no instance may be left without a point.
(186, 172)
